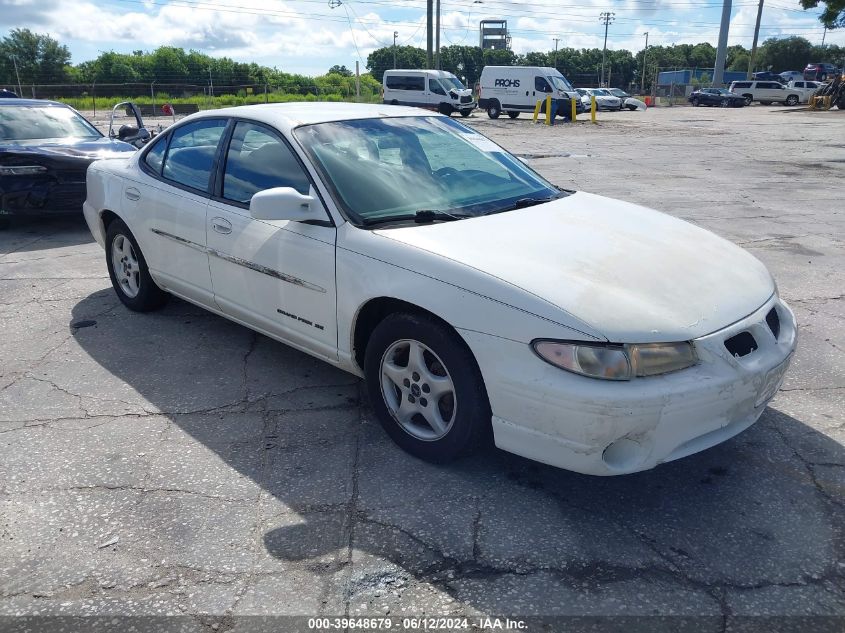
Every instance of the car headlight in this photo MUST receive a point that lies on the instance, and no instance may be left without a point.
(617, 362)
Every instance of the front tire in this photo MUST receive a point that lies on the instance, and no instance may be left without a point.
(425, 388)
(128, 271)
(695, 103)
(792, 100)
(494, 110)
(513, 114)
(465, 113)
(725, 103)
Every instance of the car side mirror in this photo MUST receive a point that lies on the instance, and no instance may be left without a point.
(284, 203)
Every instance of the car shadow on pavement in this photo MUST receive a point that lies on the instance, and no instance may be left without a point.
(371, 529)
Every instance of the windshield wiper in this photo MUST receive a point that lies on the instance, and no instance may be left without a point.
(526, 202)
(423, 216)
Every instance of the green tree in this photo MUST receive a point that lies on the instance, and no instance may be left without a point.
(789, 53)
(343, 71)
(381, 59)
(39, 58)
(833, 15)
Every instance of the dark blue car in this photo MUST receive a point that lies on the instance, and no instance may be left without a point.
(45, 150)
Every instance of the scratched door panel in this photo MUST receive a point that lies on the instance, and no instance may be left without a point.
(277, 275)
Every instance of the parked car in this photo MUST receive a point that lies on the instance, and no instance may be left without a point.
(407, 248)
(766, 92)
(7, 94)
(820, 72)
(767, 75)
(716, 97)
(435, 89)
(515, 89)
(806, 89)
(791, 75)
(632, 103)
(604, 100)
(45, 149)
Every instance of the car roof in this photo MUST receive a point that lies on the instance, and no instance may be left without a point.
(286, 116)
(17, 101)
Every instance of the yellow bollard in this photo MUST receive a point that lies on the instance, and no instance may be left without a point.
(593, 108)
(537, 110)
(574, 109)
(548, 110)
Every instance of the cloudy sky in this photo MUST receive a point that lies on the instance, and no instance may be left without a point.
(309, 36)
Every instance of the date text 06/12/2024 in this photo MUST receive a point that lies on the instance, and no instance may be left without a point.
(416, 624)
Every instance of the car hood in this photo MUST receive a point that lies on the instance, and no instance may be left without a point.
(90, 149)
(634, 274)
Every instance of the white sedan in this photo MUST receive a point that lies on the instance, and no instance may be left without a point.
(475, 297)
(604, 100)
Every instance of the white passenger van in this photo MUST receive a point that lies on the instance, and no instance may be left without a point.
(433, 89)
(515, 89)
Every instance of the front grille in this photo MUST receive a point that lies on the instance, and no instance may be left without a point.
(741, 345)
(466, 99)
(773, 321)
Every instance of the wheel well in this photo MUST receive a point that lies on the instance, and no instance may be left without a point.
(107, 217)
(374, 312)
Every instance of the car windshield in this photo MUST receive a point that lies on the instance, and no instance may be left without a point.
(561, 83)
(600, 93)
(725, 93)
(24, 123)
(452, 83)
(419, 169)
(618, 92)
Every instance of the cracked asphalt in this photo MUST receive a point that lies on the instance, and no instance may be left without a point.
(177, 464)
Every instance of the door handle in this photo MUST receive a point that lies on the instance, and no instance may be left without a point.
(132, 194)
(221, 226)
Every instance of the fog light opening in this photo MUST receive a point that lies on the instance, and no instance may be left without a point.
(624, 454)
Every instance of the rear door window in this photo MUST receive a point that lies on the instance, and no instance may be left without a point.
(405, 82)
(190, 157)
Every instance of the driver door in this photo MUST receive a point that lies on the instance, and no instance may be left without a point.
(277, 275)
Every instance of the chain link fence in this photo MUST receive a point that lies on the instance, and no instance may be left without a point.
(96, 96)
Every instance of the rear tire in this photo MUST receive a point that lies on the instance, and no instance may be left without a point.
(417, 369)
(494, 110)
(791, 100)
(128, 271)
(512, 114)
(748, 99)
(695, 103)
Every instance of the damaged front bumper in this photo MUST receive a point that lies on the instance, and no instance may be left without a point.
(608, 428)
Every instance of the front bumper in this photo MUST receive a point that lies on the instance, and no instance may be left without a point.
(608, 428)
(41, 196)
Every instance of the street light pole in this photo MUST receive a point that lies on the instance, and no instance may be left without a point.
(606, 17)
(395, 35)
(645, 52)
(555, 62)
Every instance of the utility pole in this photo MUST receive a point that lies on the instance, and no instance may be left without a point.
(429, 32)
(395, 35)
(437, 38)
(722, 50)
(17, 74)
(556, 41)
(210, 83)
(824, 34)
(645, 52)
(754, 44)
(607, 17)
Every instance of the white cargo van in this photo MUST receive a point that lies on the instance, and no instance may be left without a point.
(515, 89)
(433, 89)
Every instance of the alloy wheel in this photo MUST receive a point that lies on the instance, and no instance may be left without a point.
(418, 390)
(127, 270)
